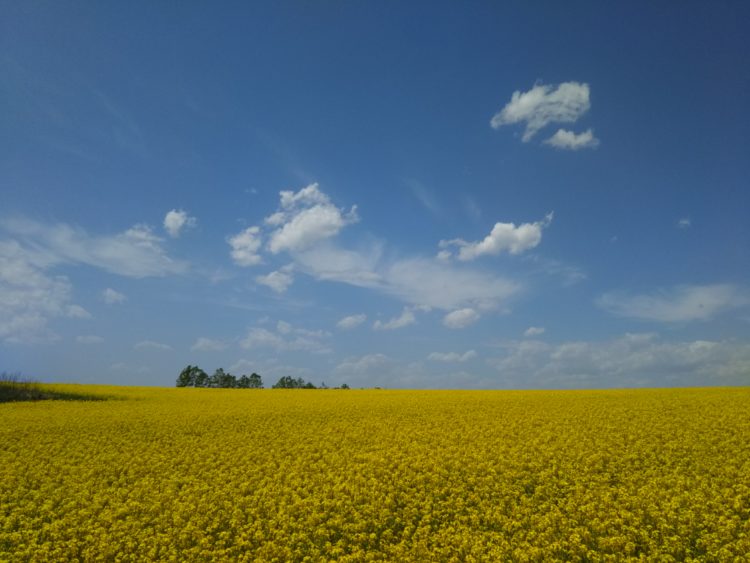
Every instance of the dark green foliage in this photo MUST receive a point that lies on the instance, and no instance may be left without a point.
(288, 382)
(254, 381)
(193, 376)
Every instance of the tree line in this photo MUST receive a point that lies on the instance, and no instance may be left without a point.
(193, 376)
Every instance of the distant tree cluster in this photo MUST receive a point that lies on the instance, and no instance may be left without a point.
(193, 376)
(288, 382)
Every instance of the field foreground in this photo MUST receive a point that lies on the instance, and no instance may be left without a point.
(273, 475)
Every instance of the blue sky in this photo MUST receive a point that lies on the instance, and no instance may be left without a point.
(433, 195)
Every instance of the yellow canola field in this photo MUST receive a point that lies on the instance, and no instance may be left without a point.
(319, 475)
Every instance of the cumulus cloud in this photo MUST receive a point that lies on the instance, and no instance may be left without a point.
(279, 280)
(112, 297)
(29, 297)
(450, 357)
(633, 360)
(151, 345)
(177, 220)
(504, 237)
(568, 140)
(679, 304)
(461, 318)
(684, 223)
(352, 321)
(406, 318)
(287, 338)
(542, 105)
(136, 252)
(203, 344)
(305, 219)
(89, 339)
(245, 246)
(533, 331)
(362, 365)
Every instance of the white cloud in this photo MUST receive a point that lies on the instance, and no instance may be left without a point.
(452, 356)
(684, 223)
(504, 237)
(425, 196)
(631, 360)
(77, 312)
(203, 344)
(435, 284)
(362, 365)
(29, 298)
(151, 345)
(406, 318)
(111, 297)
(177, 220)
(352, 321)
(681, 303)
(461, 318)
(245, 246)
(416, 281)
(328, 262)
(305, 219)
(543, 105)
(89, 339)
(533, 331)
(286, 338)
(568, 140)
(279, 281)
(136, 252)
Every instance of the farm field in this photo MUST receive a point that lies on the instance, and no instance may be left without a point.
(377, 475)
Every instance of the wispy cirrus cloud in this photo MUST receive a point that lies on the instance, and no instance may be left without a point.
(136, 252)
(678, 304)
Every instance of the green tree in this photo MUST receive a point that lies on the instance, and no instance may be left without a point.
(288, 382)
(256, 381)
(222, 380)
(201, 378)
(192, 376)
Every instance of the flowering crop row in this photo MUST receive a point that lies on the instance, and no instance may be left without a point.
(274, 475)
